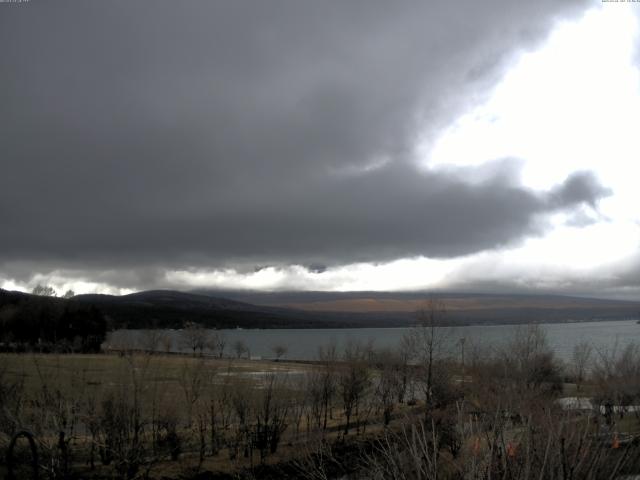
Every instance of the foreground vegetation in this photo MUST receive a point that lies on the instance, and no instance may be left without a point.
(415, 413)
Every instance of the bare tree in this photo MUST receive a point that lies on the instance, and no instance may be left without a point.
(279, 351)
(410, 454)
(216, 343)
(150, 340)
(326, 383)
(221, 410)
(388, 383)
(123, 423)
(580, 357)
(55, 419)
(166, 342)
(426, 342)
(530, 359)
(300, 400)
(616, 373)
(243, 403)
(194, 337)
(271, 414)
(240, 348)
(12, 402)
(353, 381)
(552, 445)
(192, 380)
(44, 290)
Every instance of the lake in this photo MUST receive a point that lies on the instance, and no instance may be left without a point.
(303, 344)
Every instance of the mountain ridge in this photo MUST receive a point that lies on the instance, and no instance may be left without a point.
(224, 309)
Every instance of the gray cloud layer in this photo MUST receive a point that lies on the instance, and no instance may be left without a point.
(206, 133)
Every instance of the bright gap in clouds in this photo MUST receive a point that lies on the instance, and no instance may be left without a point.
(572, 105)
(61, 281)
(404, 274)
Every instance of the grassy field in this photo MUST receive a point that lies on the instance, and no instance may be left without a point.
(71, 371)
(185, 386)
(214, 411)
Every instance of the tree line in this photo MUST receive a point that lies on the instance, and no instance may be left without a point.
(44, 323)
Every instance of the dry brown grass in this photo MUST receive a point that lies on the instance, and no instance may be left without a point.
(97, 370)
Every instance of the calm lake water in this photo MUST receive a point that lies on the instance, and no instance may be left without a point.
(303, 344)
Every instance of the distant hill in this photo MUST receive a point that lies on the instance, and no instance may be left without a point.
(173, 309)
(228, 309)
(466, 308)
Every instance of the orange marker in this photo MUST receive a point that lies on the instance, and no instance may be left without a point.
(476, 446)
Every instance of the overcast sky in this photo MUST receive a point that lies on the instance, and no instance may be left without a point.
(364, 145)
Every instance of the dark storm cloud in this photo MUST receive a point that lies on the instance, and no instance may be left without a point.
(581, 187)
(166, 134)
